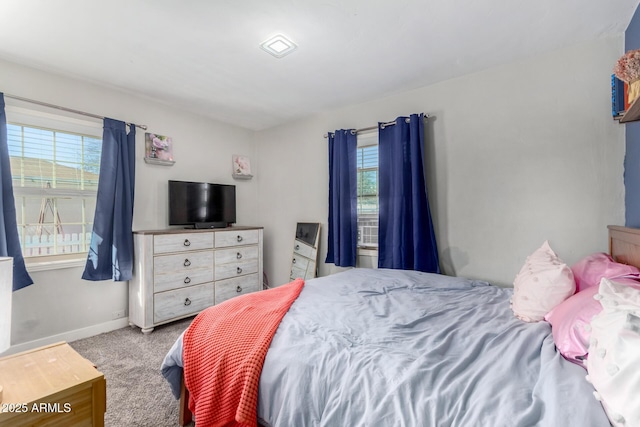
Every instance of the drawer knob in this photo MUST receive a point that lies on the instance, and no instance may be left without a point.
(187, 263)
(187, 279)
(239, 238)
(297, 247)
(239, 289)
(239, 270)
(187, 242)
(187, 301)
(238, 255)
(294, 261)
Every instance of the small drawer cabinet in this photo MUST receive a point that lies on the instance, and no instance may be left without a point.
(179, 273)
(305, 251)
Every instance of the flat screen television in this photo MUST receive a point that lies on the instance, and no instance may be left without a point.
(201, 204)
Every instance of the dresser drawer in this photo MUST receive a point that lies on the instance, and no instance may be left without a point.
(239, 268)
(304, 249)
(237, 237)
(180, 270)
(182, 302)
(168, 243)
(300, 262)
(241, 253)
(229, 288)
(298, 273)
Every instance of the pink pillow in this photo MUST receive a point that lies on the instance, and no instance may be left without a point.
(543, 282)
(570, 321)
(590, 270)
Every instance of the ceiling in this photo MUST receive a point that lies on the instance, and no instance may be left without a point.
(204, 55)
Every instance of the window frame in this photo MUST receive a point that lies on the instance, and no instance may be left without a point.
(366, 140)
(62, 123)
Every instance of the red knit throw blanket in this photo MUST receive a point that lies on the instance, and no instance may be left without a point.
(223, 353)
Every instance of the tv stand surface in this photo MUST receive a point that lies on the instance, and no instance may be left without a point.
(178, 230)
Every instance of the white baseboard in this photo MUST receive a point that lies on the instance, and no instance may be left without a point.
(69, 336)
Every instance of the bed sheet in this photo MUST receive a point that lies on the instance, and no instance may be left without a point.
(402, 348)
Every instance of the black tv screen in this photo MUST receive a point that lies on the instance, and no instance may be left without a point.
(201, 204)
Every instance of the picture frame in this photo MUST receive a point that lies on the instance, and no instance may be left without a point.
(241, 167)
(158, 149)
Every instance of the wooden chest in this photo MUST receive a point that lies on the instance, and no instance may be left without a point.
(51, 386)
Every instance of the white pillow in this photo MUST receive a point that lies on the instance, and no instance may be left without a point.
(614, 353)
(543, 282)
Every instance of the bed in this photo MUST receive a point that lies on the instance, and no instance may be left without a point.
(402, 348)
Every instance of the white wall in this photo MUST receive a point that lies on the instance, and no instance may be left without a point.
(60, 305)
(517, 154)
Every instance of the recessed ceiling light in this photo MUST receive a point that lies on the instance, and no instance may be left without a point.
(278, 46)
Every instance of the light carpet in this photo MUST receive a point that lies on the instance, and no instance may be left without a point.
(137, 393)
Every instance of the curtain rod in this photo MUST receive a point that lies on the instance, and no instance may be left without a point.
(57, 107)
(382, 125)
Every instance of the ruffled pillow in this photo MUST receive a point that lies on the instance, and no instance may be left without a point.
(543, 282)
(614, 353)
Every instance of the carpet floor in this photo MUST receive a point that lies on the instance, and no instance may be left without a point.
(137, 393)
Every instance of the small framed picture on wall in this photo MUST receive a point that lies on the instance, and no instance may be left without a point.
(158, 149)
(241, 167)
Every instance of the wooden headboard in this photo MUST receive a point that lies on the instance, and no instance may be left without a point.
(624, 244)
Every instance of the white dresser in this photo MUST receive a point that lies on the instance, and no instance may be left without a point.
(178, 273)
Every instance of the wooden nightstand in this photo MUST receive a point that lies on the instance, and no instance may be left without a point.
(51, 386)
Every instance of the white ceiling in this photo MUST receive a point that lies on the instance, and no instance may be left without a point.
(204, 55)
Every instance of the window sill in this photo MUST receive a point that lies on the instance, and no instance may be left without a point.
(46, 265)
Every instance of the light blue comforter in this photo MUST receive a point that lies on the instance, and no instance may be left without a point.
(403, 348)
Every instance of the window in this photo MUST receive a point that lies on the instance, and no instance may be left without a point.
(55, 181)
(367, 158)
